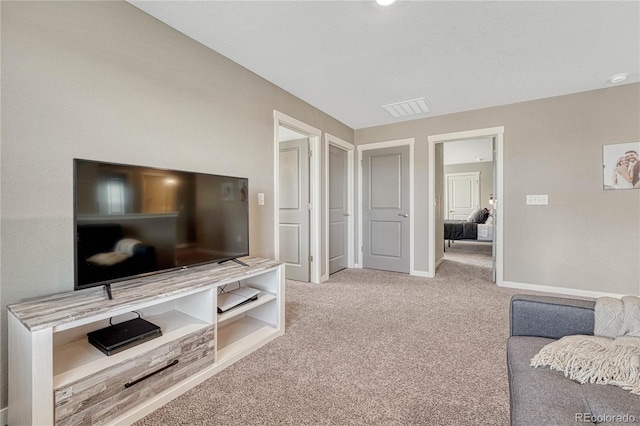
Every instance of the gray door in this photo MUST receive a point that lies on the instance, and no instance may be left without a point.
(338, 209)
(385, 209)
(294, 208)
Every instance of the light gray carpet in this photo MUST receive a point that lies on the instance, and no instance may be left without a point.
(369, 347)
(469, 252)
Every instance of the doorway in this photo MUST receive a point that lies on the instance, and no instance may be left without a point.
(339, 215)
(436, 207)
(385, 179)
(297, 198)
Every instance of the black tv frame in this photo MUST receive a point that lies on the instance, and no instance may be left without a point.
(107, 283)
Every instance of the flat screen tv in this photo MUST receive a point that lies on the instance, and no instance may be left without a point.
(134, 220)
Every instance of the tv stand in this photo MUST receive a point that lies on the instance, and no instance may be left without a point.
(233, 259)
(57, 377)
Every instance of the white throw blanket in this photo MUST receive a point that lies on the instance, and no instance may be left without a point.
(610, 357)
(122, 251)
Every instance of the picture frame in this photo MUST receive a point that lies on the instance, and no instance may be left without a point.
(621, 166)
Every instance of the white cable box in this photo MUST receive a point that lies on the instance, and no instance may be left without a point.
(231, 299)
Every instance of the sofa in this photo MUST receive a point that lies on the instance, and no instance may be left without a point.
(93, 239)
(540, 396)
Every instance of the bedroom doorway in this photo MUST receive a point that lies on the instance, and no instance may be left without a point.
(482, 240)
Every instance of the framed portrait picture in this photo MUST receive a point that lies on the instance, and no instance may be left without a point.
(621, 166)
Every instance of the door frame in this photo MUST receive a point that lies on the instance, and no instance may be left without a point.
(380, 145)
(314, 189)
(350, 148)
(446, 191)
(498, 134)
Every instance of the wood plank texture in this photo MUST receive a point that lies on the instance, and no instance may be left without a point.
(55, 310)
(97, 398)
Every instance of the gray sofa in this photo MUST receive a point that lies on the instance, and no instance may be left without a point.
(544, 397)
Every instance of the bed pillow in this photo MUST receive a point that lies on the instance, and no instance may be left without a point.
(479, 215)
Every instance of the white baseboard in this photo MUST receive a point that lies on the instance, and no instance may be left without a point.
(561, 290)
(357, 266)
(324, 278)
(438, 263)
(424, 274)
(4, 416)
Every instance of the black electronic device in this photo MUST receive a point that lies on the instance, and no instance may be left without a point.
(124, 335)
(133, 220)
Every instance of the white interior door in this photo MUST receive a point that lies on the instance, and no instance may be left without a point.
(294, 208)
(385, 209)
(338, 209)
(463, 194)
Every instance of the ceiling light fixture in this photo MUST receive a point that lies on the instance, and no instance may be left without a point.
(618, 78)
(385, 2)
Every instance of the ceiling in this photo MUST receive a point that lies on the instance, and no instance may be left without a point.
(349, 58)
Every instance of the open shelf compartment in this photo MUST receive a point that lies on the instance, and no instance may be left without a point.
(74, 357)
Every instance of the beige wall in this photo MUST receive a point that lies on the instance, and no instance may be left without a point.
(486, 177)
(105, 81)
(586, 238)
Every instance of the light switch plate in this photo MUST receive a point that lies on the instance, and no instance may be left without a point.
(261, 199)
(537, 200)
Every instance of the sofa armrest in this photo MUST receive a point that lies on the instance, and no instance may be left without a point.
(550, 317)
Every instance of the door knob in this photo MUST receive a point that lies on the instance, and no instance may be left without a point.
(403, 215)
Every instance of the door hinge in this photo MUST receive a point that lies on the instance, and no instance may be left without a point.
(310, 258)
(310, 153)
(310, 206)
(361, 248)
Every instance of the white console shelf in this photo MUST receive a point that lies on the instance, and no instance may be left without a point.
(57, 377)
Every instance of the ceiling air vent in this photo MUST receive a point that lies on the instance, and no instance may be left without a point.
(407, 108)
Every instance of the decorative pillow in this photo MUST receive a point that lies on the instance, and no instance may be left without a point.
(631, 315)
(479, 215)
(609, 317)
(108, 259)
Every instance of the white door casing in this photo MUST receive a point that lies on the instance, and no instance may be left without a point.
(498, 134)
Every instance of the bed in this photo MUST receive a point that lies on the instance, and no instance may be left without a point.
(478, 227)
(460, 230)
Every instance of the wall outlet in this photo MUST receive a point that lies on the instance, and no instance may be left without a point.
(261, 199)
(537, 200)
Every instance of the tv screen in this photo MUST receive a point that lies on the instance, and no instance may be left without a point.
(134, 220)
